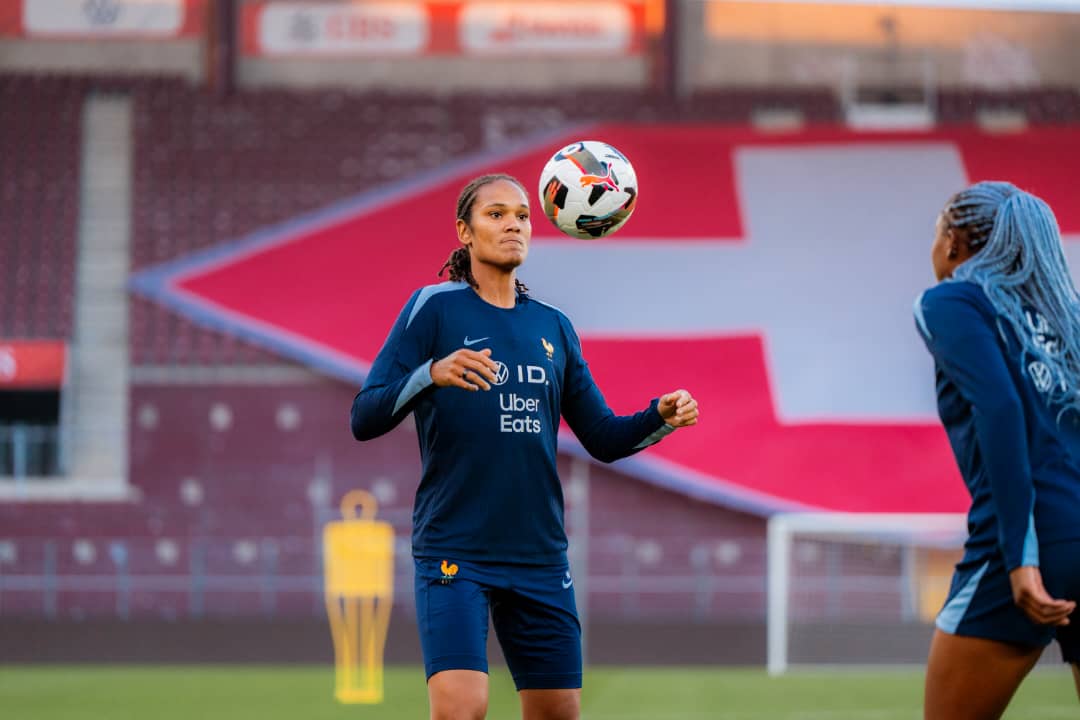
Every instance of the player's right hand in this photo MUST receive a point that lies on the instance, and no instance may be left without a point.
(466, 369)
(1031, 597)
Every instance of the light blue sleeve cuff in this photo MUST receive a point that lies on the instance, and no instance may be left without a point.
(656, 437)
(418, 381)
(1031, 544)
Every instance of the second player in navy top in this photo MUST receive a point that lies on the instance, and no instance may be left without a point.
(1019, 454)
(1003, 327)
(487, 371)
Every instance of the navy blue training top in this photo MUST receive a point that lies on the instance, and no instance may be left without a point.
(489, 490)
(1018, 454)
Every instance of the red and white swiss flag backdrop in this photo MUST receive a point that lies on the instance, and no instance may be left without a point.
(772, 277)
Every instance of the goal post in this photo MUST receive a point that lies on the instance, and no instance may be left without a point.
(855, 573)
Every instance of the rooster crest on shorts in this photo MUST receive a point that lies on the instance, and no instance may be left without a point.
(449, 570)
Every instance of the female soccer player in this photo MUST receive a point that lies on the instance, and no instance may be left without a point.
(1003, 326)
(487, 370)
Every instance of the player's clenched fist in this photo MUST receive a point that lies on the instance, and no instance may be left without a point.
(466, 369)
(678, 409)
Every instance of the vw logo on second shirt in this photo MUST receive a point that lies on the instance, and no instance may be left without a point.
(502, 373)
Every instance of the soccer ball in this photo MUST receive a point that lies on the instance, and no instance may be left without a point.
(589, 189)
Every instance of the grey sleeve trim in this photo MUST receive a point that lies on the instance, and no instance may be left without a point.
(545, 304)
(656, 437)
(420, 379)
(919, 319)
(428, 292)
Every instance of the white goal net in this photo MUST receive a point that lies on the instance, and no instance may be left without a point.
(855, 589)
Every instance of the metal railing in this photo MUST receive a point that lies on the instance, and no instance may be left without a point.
(274, 577)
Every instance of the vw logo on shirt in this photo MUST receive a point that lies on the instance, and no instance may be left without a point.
(502, 373)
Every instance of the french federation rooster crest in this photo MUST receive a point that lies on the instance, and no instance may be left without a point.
(449, 570)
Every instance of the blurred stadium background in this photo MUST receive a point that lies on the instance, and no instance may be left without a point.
(211, 211)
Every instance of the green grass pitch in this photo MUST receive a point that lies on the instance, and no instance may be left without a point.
(611, 693)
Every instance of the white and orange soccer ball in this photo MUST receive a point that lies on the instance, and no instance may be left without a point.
(588, 189)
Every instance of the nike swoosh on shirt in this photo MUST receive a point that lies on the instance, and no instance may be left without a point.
(473, 341)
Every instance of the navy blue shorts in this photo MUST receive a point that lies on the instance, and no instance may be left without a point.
(980, 602)
(532, 609)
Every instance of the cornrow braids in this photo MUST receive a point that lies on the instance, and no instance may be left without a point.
(1020, 265)
(973, 210)
(460, 263)
(467, 197)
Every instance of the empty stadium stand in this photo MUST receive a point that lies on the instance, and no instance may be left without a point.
(1039, 106)
(39, 142)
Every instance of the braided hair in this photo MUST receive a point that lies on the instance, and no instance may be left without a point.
(460, 261)
(1020, 264)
